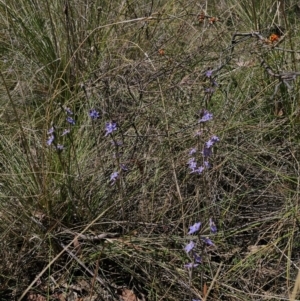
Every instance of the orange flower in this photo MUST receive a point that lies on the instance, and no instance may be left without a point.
(212, 20)
(273, 38)
(201, 17)
(161, 51)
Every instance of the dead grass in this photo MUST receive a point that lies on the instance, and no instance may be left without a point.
(69, 233)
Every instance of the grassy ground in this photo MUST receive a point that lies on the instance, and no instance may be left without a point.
(100, 207)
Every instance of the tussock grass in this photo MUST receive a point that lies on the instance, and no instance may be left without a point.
(143, 65)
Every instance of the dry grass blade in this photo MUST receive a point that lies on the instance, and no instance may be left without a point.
(65, 249)
(296, 288)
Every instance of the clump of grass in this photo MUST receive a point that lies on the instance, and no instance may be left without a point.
(102, 104)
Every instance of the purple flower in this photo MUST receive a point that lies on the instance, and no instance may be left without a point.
(59, 147)
(206, 164)
(70, 120)
(113, 177)
(192, 164)
(189, 246)
(192, 151)
(206, 152)
(110, 127)
(196, 299)
(50, 139)
(197, 258)
(191, 265)
(209, 143)
(215, 139)
(68, 111)
(123, 167)
(208, 73)
(65, 132)
(212, 141)
(191, 160)
(208, 241)
(212, 226)
(194, 228)
(94, 114)
(51, 130)
(206, 116)
(199, 170)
